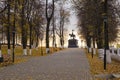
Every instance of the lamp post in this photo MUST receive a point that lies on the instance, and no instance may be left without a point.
(106, 40)
(13, 32)
(13, 45)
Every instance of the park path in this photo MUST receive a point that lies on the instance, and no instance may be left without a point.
(69, 64)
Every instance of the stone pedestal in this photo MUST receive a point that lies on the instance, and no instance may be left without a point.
(108, 56)
(101, 53)
(72, 43)
(90, 50)
(94, 51)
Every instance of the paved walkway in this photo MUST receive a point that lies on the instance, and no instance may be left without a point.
(69, 64)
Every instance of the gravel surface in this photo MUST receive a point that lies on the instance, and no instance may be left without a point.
(69, 64)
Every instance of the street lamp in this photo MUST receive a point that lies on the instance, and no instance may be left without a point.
(13, 32)
(106, 40)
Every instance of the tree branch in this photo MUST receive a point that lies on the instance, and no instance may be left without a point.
(4, 9)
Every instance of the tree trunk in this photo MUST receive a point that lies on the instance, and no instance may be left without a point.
(60, 30)
(47, 36)
(48, 24)
(0, 50)
(24, 35)
(16, 39)
(37, 41)
(89, 44)
(94, 49)
(53, 44)
(63, 34)
(2, 36)
(13, 31)
(30, 45)
(8, 28)
(99, 38)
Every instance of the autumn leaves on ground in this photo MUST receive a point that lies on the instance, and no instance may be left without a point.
(19, 57)
(96, 65)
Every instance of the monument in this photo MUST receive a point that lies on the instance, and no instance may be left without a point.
(72, 43)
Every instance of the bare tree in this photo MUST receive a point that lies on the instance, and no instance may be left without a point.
(90, 16)
(29, 11)
(8, 26)
(24, 32)
(63, 19)
(3, 6)
(48, 17)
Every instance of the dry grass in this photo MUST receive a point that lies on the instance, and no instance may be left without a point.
(96, 66)
(19, 54)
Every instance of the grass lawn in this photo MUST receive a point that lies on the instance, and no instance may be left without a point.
(96, 66)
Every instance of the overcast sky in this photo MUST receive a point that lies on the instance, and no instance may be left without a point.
(73, 19)
(73, 22)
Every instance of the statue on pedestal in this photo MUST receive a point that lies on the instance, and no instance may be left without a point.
(72, 43)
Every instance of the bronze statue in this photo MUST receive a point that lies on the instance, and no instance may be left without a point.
(72, 43)
(72, 35)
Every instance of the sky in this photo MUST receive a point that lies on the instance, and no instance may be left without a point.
(73, 19)
(72, 24)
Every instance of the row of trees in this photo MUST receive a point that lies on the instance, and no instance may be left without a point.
(58, 22)
(90, 20)
(23, 18)
(24, 22)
